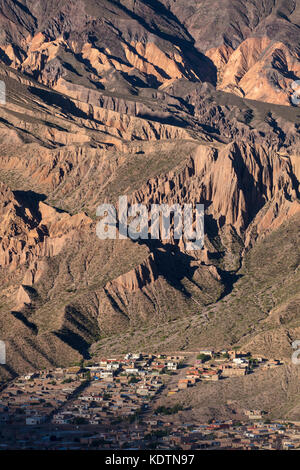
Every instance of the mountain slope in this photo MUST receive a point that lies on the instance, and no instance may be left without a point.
(127, 98)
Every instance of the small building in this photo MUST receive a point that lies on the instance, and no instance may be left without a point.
(210, 375)
(207, 352)
(228, 371)
(104, 374)
(131, 370)
(171, 365)
(35, 420)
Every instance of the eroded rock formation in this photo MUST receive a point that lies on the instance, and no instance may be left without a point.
(124, 98)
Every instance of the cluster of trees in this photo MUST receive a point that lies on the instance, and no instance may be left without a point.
(203, 357)
(169, 410)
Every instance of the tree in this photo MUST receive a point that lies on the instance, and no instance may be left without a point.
(133, 380)
(204, 357)
(169, 410)
(79, 420)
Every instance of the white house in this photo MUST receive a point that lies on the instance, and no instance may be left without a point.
(240, 360)
(171, 365)
(131, 370)
(106, 373)
(34, 420)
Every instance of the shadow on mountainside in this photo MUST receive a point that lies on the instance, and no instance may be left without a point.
(204, 67)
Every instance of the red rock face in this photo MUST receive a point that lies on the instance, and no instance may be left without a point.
(182, 104)
(254, 45)
(259, 69)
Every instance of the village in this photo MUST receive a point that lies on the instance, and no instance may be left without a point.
(110, 403)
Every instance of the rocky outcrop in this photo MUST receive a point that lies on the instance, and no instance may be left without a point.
(261, 70)
(254, 45)
(33, 231)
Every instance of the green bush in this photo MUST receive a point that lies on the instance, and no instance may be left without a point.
(204, 357)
